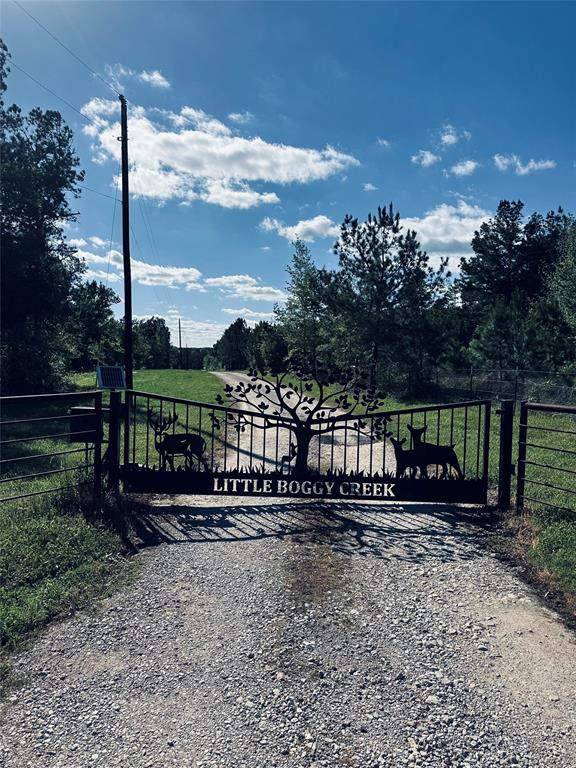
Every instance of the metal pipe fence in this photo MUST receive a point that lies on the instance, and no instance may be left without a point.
(547, 457)
(45, 437)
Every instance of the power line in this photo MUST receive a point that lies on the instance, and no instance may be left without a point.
(102, 194)
(71, 52)
(75, 109)
(46, 88)
(112, 228)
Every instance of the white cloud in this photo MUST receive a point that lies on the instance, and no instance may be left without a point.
(464, 168)
(248, 314)
(200, 120)
(449, 135)
(154, 78)
(245, 287)
(97, 242)
(370, 188)
(307, 230)
(265, 248)
(117, 73)
(425, 158)
(447, 230)
(193, 156)
(102, 276)
(504, 162)
(383, 143)
(77, 242)
(143, 273)
(241, 118)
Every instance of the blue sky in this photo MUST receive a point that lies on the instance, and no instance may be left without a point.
(253, 123)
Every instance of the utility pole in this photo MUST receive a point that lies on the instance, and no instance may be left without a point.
(128, 357)
(180, 342)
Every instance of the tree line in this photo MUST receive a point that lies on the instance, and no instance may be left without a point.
(387, 310)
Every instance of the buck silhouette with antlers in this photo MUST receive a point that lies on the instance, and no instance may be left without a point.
(430, 453)
(189, 445)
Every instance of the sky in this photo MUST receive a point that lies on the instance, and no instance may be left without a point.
(252, 124)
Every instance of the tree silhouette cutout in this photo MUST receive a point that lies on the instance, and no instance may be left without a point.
(285, 400)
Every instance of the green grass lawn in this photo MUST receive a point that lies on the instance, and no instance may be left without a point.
(189, 385)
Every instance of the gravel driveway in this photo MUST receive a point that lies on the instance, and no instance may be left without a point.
(297, 634)
(290, 634)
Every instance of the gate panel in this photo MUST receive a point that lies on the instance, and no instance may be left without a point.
(438, 453)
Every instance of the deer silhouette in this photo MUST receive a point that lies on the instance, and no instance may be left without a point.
(404, 459)
(288, 458)
(168, 446)
(429, 453)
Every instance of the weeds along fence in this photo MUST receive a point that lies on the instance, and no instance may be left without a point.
(547, 457)
(49, 444)
(509, 384)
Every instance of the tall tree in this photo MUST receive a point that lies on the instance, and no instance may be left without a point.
(421, 334)
(563, 282)
(39, 269)
(89, 327)
(151, 343)
(510, 257)
(303, 318)
(231, 350)
(267, 348)
(384, 288)
(492, 274)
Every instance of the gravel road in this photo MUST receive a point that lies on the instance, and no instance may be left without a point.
(290, 634)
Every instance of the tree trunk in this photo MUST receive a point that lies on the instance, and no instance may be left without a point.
(303, 438)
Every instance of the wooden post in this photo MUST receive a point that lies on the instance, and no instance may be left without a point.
(128, 355)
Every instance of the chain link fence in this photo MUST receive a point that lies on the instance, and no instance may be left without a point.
(509, 384)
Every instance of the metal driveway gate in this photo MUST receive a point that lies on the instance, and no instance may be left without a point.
(170, 445)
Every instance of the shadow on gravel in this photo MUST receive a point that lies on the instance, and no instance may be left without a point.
(411, 533)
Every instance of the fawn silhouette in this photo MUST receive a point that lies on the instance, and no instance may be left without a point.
(405, 459)
(288, 458)
(430, 453)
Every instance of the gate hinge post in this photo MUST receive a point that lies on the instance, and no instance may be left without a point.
(506, 466)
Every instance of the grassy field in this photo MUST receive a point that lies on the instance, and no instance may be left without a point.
(189, 385)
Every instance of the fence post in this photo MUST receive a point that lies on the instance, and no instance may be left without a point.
(506, 467)
(98, 450)
(126, 417)
(522, 437)
(114, 440)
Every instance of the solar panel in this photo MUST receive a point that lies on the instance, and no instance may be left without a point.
(111, 377)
